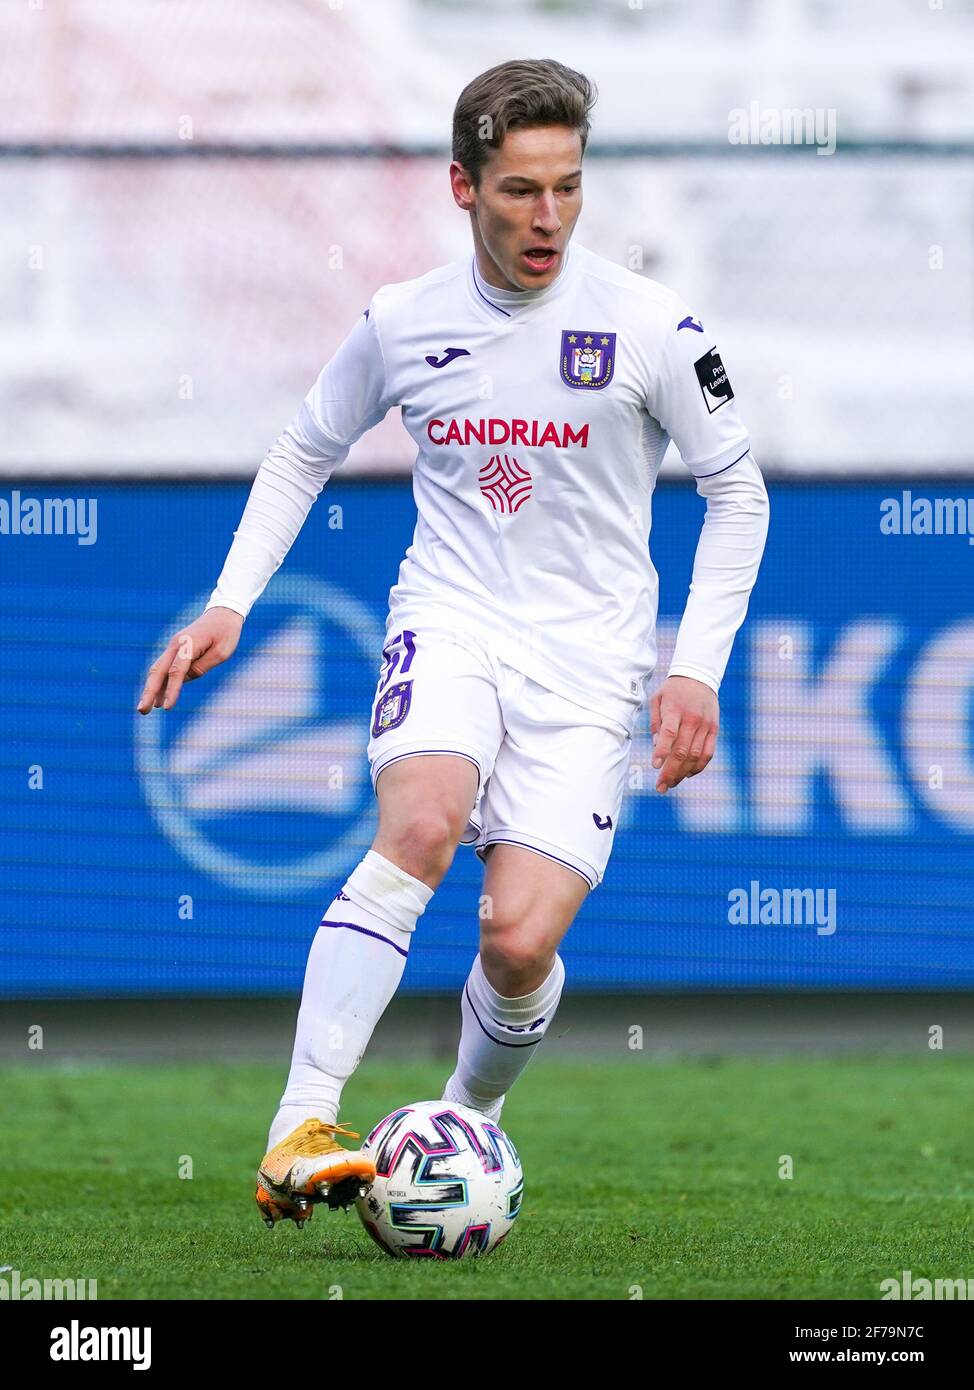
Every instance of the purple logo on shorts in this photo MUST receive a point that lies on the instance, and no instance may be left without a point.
(392, 708)
(401, 648)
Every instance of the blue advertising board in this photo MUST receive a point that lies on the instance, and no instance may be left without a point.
(830, 845)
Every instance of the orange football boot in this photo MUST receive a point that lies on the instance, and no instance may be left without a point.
(311, 1166)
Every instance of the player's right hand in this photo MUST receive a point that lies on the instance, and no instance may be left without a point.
(212, 638)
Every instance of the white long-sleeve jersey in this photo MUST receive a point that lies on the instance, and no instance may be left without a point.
(540, 420)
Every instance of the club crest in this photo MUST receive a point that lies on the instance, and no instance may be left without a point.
(392, 708)
(588, 359)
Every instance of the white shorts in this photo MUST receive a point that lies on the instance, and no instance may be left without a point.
(551, 773)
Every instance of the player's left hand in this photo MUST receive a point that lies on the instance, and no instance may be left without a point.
(684, 719)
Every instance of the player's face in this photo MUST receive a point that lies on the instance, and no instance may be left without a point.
(525, 208)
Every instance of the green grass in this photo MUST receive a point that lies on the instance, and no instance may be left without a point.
(662, 1175)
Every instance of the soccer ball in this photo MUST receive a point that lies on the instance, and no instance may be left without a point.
(448, 1182)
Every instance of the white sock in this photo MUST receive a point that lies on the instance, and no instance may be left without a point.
(354, 968)
(498, 1038)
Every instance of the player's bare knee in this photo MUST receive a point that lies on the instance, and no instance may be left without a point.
(422, 843)
(515, 962)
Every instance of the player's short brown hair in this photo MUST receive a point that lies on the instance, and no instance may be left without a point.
(515, 96)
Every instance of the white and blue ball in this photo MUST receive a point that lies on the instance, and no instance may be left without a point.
(448, 1182)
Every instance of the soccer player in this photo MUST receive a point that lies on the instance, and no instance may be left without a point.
(541, 385)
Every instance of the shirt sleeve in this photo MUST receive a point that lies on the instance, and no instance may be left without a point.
(692, 398)
(348, 398)
(725, 568)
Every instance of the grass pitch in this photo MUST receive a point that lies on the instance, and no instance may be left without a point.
(656, 1176)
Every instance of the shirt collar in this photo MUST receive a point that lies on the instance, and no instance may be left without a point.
(510, 301)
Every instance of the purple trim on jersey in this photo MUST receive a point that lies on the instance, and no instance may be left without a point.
(729, 465)
(354, 926)
(412, 752)
(506, 840)
(484, 297)
(528, 1042)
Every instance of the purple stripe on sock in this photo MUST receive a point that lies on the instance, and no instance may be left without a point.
(529, 1042)
(354, 926)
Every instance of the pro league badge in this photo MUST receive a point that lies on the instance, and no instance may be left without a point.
(712, 376)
